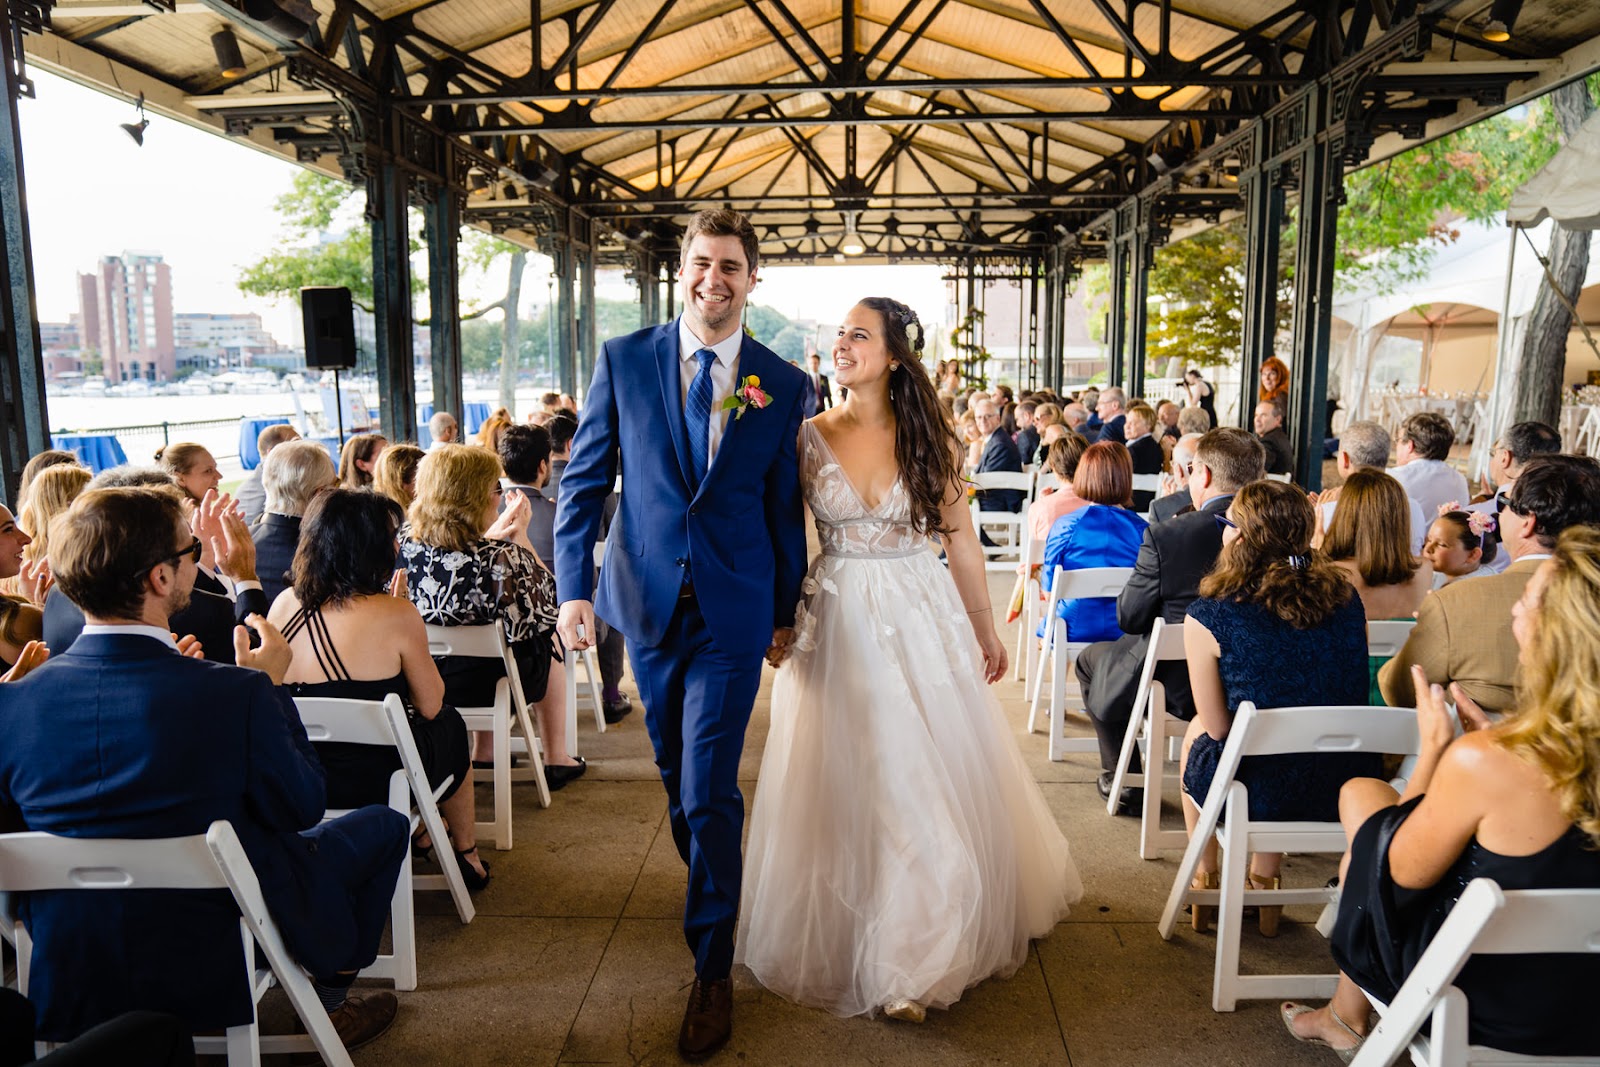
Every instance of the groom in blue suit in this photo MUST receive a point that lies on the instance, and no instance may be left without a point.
(703, 562)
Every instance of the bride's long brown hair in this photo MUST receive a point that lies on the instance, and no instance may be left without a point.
(925, 443)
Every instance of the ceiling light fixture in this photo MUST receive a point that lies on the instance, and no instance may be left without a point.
(229, 59)
(1502, 20)
(136, 129)
(852, 245)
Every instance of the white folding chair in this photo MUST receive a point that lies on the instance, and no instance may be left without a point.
(1043, 480)
(1159, 731)
(1267, 732)
(372, 722)
(1386, 637)
(36, 862)
(1013, 525)
(1279, 478)
(1028, 621)
(1488, 921)
(1147, 483)
(1060, 653)
(488, 641)
(591, 674)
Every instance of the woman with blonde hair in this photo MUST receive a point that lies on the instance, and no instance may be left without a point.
(1370, 540)
(495, 425)
(1271, 600)
(50, 457)
(395, 473)
(358, 457)
(192, 467)
(52, 493)
(468, 563)
(1518, 802)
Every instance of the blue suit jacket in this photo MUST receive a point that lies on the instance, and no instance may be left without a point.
(738, 536)
(122, 737)
(1000, 454)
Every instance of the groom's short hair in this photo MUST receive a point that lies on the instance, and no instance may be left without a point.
(720, 222)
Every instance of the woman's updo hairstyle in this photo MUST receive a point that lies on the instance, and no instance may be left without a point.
(925, 444)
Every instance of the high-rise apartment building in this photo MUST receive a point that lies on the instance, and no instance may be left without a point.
(126, 314)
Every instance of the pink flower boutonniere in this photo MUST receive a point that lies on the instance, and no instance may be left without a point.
(747, 395)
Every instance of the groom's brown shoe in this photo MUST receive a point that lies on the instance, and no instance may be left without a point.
(708, 1020)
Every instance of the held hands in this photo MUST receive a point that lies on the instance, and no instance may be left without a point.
(33, 654)
(575, 624)
(272, 656)
(782, 643)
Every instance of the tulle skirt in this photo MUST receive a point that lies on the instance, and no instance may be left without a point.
(899, 848)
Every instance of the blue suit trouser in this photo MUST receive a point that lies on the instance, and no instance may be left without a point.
(697, 702)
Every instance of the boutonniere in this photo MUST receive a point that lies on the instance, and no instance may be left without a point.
(748, 395)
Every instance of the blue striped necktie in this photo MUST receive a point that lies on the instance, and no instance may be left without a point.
(697, 414)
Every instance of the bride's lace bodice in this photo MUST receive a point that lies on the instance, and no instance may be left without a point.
(845, 525)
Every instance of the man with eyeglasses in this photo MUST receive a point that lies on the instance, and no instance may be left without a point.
(127, 735)
(1510, 454)
(1463, 638)
(1177, 499)
(999, 454)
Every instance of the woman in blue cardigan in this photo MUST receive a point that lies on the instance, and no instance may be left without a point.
(1104, 534)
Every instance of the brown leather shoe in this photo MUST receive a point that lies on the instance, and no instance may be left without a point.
(708, 1021)
(358, 1020)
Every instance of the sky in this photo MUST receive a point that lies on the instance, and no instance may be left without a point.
(205, 204)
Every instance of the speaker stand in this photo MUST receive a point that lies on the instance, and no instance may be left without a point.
(338, 404)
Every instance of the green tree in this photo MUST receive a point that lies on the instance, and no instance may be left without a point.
(764, 323)
(788, 343)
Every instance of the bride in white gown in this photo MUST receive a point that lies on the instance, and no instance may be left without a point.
(899, 850)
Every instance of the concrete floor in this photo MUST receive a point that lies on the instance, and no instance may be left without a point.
(577, 957)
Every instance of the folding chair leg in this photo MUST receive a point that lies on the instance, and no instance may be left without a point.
(1044, 660)
(1230, 914)
(441, 841)
(244, 1045)
(572, 703)
(531, 740)
(1130, 738)
(1058, 695)
(591, 671)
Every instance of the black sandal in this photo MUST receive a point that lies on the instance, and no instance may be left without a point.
(469, 874)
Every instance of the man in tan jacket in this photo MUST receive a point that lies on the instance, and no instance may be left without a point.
(1463, 631)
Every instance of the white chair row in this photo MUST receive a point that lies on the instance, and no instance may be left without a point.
(1060, 653)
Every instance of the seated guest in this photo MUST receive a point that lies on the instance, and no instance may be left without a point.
(1421, 450)
(251, 496)
(1274, 438)
(1370, 542)
(996, 453)
(1194, 420)
(468, 564)
(1173, 556)
(525, 457)
(488, 435)
(444, 430)
(146, 1038)
(1144, 450)
(191, 466)
(1510, 454)
(52, 494)
(1062, 461)
(1463, 631)
(1175, 486)
(1167, 419)
(358, 457)
(21, 620)
(352, 639)
(1365, 446)
(1027, 437)
(1518, 802)
(50, 457)
(295, 472)
(1102, 534)
(121, 736)
(1272, 600)
(1460, 545)
(1045, 416)
(1109, 406)
(562, 426)
(395, 475)
(213, 609)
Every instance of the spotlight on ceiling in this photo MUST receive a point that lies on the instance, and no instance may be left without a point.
(1502, 20)
(852, 245)
(229, 59)
(136, 129)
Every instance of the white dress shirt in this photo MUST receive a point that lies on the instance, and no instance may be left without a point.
(132, 630)
(724, 376)
(1432, 482)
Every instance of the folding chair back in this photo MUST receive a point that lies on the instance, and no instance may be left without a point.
(1259, 732)
(488, 641)
(1060, 652)
(372, 722)
(1045, 480)
(1385, 637)
(1147, 483)
(1150, 710)
(1014, 524)
(1486, 920)
(37, 862)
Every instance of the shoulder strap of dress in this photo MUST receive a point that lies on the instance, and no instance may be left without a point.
(316, 628)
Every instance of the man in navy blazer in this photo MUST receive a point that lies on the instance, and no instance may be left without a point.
(123, 736)
(1110, 407)
(703, 562)
(999, 454)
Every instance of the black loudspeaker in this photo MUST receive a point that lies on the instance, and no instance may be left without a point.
(330, 327)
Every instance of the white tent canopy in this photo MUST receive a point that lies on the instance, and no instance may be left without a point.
(1566, 188)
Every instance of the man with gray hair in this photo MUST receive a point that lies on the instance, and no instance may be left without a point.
(251, 496)
(295, 472)
(1077, 419)
(1366, 445)
(444, 429)
(1110, 407)
(1176, 484)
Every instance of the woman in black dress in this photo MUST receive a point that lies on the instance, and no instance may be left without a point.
(1201, 395)
(1518, 802)
(352, 638)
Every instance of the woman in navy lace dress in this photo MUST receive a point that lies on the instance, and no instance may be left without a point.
(1279, 625)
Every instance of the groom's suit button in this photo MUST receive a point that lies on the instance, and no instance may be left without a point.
(680, 561)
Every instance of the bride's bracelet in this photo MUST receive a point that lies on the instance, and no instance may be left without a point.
(981, 611)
